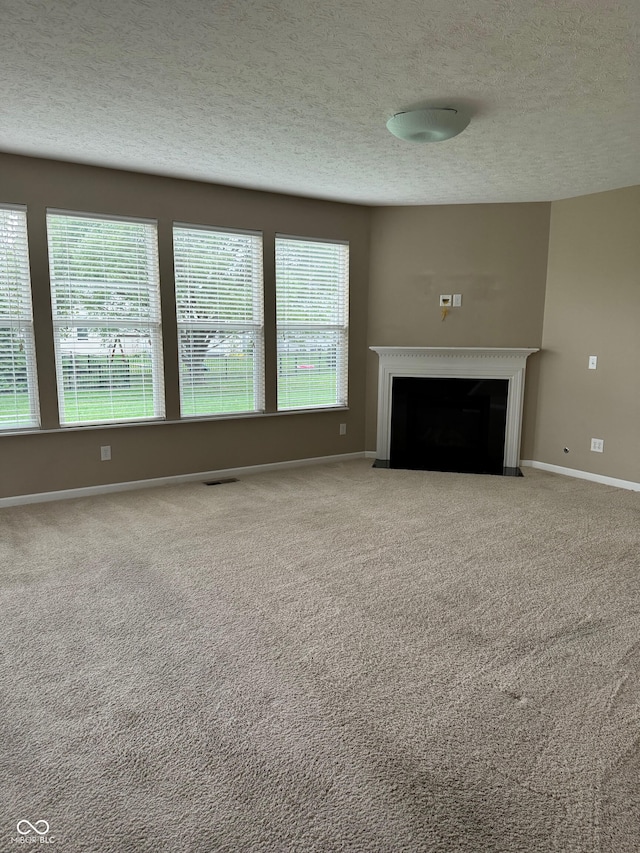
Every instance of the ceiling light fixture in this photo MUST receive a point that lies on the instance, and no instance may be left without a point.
(428, 125)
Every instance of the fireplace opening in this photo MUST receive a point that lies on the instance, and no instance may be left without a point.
(449, 424)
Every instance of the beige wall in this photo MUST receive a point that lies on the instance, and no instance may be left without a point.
(402, 258)
(66, 459)
(495, 255)
(592, 308)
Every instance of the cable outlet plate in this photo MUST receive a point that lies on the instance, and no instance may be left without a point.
(445, 300)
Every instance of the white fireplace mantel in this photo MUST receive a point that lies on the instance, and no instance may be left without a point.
(454, 362)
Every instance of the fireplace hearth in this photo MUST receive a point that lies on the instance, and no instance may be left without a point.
(450, 409)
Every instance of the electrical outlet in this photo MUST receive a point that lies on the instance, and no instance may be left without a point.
(105, 453)
(343, 429)
(597, 445)
(445, 300)
(593, 362)
(457, 300)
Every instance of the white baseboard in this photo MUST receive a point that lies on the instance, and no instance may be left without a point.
(89, 491)
(581, 475)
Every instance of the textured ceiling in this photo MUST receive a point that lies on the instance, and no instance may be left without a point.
(293, 95)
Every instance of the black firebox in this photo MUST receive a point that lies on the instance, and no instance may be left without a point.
(449, 424)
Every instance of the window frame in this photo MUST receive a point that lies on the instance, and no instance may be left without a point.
(25, 325)
(255, 328)
(341, 329)
(153, 323)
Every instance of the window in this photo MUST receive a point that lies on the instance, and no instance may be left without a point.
(106, 315)
(18, 385)
(312, 306)
(219, 304)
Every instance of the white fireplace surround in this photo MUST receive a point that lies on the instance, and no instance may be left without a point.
(460, 363)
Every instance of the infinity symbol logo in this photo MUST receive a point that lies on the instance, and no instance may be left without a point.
(41, 827)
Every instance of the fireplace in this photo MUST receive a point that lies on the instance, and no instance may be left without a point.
(450, 409)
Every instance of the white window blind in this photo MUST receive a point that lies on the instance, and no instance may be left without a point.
(312, 306)
(106, 315)
(219, 304)
(18, 384)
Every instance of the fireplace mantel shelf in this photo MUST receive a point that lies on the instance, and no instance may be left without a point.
(469, 352)
(450, 362)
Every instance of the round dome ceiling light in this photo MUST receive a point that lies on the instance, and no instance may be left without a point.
(428, 125)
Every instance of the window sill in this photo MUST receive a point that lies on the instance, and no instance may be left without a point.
(181, 421)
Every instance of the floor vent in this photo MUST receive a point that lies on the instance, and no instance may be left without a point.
(221, 482)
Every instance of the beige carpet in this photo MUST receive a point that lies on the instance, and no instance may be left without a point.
(325, 659)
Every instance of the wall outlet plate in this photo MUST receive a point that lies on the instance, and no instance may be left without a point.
(445, 300)
(593, 362)
(457, 300)
(597, 445)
